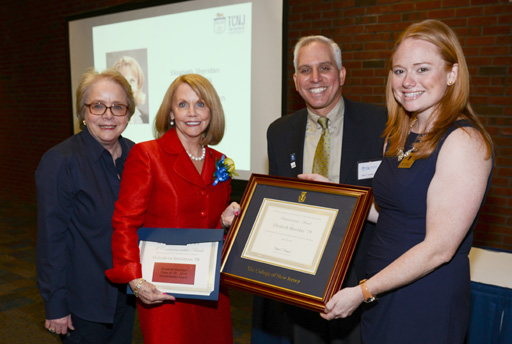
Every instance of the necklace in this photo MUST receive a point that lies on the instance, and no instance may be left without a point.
(197, 158)
(401, 154)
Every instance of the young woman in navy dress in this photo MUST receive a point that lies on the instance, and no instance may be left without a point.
(429, 188)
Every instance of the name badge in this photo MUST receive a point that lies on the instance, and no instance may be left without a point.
(367, 169)
(407, 162)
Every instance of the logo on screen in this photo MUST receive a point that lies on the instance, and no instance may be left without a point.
(219, 23)
(234, 24)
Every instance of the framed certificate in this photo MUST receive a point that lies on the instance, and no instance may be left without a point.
(183, 262)
(294, 239)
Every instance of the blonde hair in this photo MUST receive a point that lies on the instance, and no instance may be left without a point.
(205, 91)
(453, 106)
(131, 64)
(87, 82)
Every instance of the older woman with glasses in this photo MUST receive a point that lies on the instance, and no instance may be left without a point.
(78, 183)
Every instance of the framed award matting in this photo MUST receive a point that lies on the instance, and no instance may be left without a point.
(294, 239)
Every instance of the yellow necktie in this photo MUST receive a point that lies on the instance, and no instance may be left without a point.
(321, 161)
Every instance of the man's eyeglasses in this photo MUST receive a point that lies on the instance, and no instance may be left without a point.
(99, 109)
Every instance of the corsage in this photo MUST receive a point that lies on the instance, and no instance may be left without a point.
(225, 170)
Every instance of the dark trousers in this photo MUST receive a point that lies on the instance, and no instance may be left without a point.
(120, 332)
(279, 323)
(274, 322)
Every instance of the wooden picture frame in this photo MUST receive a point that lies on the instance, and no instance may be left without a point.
(293, 239)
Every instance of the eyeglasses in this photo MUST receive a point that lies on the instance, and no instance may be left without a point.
(99, 109)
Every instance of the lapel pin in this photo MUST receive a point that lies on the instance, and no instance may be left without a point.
(292, 160)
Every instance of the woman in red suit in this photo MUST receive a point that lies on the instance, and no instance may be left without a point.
(169, 183)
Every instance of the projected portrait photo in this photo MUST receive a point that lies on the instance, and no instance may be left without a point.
(133, 65)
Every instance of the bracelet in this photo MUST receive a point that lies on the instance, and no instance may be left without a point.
(368, 297)
(137, 287)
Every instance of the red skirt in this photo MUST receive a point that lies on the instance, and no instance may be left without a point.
(187, 321)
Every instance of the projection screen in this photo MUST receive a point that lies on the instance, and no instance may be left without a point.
(237, 45)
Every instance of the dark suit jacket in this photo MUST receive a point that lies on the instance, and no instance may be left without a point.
(362, 141)
(77, 186)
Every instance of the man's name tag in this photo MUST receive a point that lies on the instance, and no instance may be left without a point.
(367, 169)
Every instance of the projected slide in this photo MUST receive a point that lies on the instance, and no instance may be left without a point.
(236, 44)
(152, 52)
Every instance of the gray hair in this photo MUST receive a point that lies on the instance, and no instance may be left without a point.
(336, 51)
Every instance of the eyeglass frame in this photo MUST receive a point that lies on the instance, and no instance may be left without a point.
(107, 108)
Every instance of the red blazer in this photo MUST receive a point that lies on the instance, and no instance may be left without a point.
(162, 188)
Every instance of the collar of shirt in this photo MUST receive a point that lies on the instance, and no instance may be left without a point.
(98, 152)
(96, 149)
(335, 117)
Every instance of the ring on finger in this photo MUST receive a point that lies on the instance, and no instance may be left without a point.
(51, 329)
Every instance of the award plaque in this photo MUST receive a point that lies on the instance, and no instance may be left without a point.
(294, 239)
(183, 262)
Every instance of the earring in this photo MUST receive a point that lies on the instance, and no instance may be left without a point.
(450, 83)
(172, 122)
(84, 122)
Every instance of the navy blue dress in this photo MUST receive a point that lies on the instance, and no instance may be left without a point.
(435, 308)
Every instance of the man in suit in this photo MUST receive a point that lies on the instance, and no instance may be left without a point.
(354, 152)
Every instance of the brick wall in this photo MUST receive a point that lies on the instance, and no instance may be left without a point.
(35, 95)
